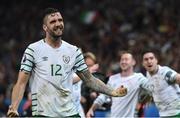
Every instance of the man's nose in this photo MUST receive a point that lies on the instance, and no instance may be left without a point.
(58, 23)
(149, 61)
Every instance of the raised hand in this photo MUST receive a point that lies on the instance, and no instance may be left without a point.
(120, 92)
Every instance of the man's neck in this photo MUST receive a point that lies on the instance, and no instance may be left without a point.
(53, 43)
(126, 73)
(155, 71)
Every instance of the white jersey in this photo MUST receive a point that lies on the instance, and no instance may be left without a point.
(165, 93)
(77, 97)
(125, 106)
(51, 77)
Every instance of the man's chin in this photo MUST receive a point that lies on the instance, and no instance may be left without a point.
(151, 70)
(56, 37)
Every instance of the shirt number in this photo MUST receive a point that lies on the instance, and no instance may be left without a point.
(55, 70)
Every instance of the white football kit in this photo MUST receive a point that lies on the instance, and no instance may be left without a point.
(125, 106)
(77, 97)
(51, 77)
(165, 91)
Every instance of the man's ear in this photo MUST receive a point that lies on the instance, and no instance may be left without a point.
(134, 62)
(44, 27)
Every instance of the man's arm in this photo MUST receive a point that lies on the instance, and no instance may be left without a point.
(99, 86)
(177, 78)
(90, 112)
(76, 79)
(99, 101)
(172, 77)
(92, 69)
(18, 92)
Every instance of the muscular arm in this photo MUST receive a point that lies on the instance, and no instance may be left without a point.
(18, 90)
(96, 84)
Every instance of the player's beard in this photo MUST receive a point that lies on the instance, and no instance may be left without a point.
(125, 68)
(55, 37)
(53, 33)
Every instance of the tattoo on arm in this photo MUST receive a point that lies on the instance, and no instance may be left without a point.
(94, 83)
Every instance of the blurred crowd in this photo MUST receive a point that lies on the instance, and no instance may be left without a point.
(104, 27)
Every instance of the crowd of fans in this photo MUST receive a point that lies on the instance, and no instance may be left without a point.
(104, 27)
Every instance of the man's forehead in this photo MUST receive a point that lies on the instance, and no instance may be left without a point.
(126, 55)
(148, 55)
(55, 14)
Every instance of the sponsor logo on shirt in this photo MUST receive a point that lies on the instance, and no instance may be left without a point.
(45, 58)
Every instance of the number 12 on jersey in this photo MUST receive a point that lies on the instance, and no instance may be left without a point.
(55, 70)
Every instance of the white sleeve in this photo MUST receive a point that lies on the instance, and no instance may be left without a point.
(169, 75)
(101, 99)
(27, 61)
(80, 64)
(145, 83)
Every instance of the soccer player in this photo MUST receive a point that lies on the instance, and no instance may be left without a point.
(123, 106)
(50, 64)
(165, 86)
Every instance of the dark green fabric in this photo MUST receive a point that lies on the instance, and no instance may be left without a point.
(75, 116)
(176, 116)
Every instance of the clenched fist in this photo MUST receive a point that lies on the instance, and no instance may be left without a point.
(12, 112)
(119, 92)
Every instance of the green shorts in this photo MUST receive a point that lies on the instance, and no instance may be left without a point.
(175, 116)
(75, 116)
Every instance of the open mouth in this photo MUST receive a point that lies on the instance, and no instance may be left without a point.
(60, 28)
(56, 29)
(149, 66)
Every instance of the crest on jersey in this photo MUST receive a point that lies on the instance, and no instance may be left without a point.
(66, 59)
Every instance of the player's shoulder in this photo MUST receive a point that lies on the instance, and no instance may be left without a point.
(36, 44)
(115, 76)
(138, 74)
(163, 68)
(69, 46)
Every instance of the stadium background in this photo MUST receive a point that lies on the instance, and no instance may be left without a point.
(104, 27)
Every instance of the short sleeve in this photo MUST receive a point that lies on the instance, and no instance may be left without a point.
(27, 61)
(80, 64)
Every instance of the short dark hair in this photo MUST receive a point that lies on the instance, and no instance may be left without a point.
(155, 52)
(48, 11)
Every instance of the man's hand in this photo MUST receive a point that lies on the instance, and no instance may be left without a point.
(90, 113)
(12, 112)
(120, 92)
